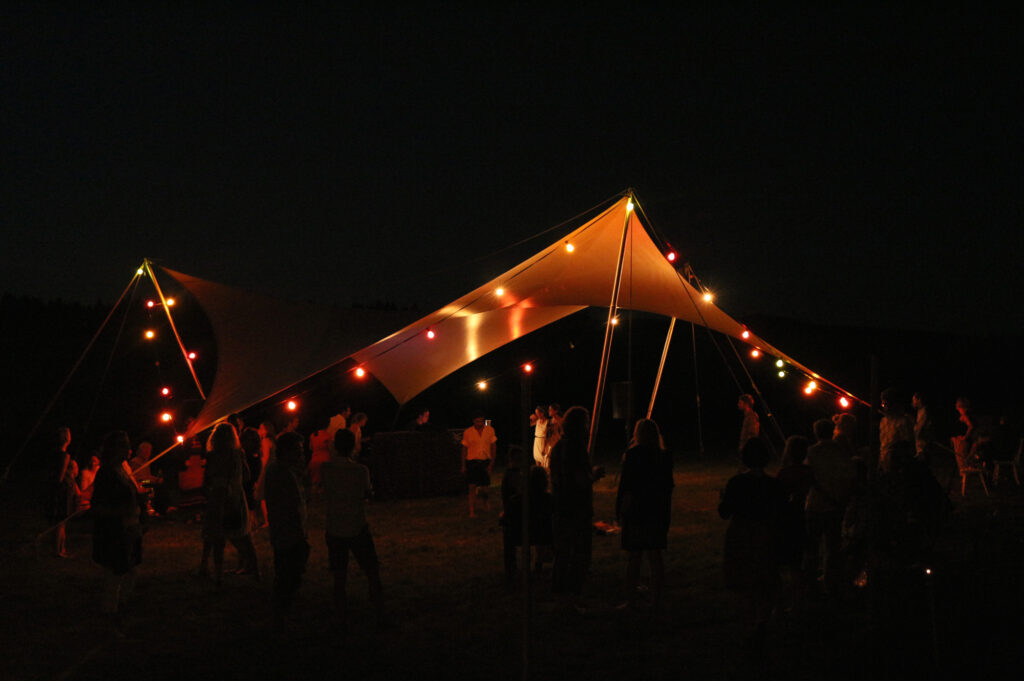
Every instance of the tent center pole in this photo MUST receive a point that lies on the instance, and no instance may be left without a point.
(606, 350)
(661, 366)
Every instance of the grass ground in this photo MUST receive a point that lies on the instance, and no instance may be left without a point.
(452, 617)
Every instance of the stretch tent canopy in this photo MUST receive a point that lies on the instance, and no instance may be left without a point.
(571, 274)
(266, 346)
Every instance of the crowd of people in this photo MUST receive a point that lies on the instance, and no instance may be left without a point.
(829, 519)
(835, 516)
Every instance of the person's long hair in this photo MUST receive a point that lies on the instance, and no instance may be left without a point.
(576, 426)
(224, 438)
(647, 434)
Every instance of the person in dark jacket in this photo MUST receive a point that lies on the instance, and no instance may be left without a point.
(643, 505)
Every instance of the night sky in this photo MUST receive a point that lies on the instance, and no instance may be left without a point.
(844, 166)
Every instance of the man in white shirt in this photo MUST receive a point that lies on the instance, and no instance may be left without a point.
(478, 446)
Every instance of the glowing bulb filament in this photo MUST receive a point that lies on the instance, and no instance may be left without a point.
(569, 247)
(482, 385)
(499, 291)
(708, 296)
(360, 372)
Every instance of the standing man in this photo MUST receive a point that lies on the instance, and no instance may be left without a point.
(834, 476)
(285, 492)
(751, 427)
(346, 489)
(478, 447)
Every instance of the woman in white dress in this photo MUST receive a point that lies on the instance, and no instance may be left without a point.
(539, 421)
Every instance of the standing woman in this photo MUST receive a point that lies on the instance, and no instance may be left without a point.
(539, 421)
(643, 505)
(267, 454)
(572, 492)
(227, 513)
(117, 534)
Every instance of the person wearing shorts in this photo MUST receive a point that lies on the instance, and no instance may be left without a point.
(346, 487)
(478, 446)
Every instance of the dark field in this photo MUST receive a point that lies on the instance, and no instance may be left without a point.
(452, 618)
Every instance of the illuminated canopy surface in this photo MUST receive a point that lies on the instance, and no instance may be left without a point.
(266, 345)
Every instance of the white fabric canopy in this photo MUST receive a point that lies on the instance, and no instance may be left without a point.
(552, 284)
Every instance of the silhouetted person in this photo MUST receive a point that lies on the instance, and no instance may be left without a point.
(895, 425)
(346, 487)
(754, 505)
(796, 479)
(512, 515)
(117, 533)
(573, 505)
(643, 506)
(286, 488)
(227, 513)
(835, 479)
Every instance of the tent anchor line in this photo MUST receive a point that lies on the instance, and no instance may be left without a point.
(67, 379)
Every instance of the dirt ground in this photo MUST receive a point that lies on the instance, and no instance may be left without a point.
(451, 617)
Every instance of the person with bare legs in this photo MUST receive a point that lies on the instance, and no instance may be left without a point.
(478, 448)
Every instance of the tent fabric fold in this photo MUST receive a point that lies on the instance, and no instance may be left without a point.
(266, 345)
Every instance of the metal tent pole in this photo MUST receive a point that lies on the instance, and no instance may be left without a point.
(595, 414)
(184, 352)
(661, 366)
